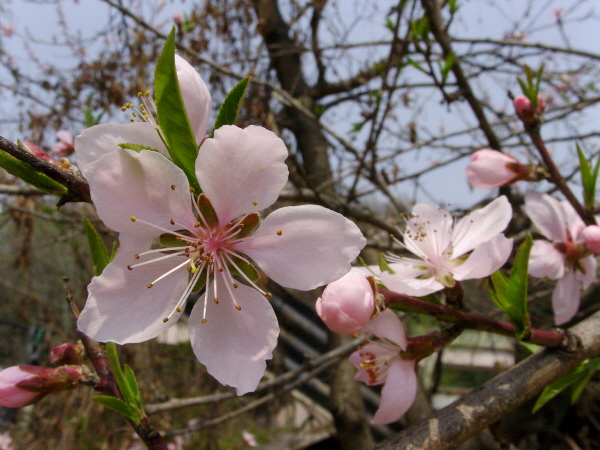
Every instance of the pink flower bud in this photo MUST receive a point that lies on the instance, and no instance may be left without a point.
(38, 152)
(68, 353)
(591, 235)
(524, 108)
(347, 304)
(177, 18)
(65, 145)
(489, 169)
(24, 385)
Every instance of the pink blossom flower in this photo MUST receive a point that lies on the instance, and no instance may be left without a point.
(490, 169)
(214, 240)
(524, 108)
(381, 362)
(448, 250)
(347, 304)
(25, 385)
(591, 236)
(565, 258)
(65, 145)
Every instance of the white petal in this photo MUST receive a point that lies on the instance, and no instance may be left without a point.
(480, 226)
(547, 215)
(315, 247)
(388, 326)
(125, 183)
(398, 393)
(417, 287)
(232, 344)
(196, 97)
(565, 298)
(546, 261)
(485, 259)
(590, 265)
(99, 140)
(574, 223)
(120, 306)
(239, 167)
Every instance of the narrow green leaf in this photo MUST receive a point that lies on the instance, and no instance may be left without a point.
(134, 386)
(390, 25)
(453, 6)
(448, 65)
(136, 147)
(415, 64)
(99, 254)
(113, 359)
(591, 366)
(172, 115)
(118, 405)
(28, 174)
(589, 178)
(230, 109)
(383, 264)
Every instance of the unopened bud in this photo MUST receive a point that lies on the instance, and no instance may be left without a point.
(524, 108)
(489, 169)
(591, 235)
(347, 304)
(68, 353)
(38, 152)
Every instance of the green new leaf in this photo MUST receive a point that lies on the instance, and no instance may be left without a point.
(230, 109)
(578, 377)
(118, 405)
(510, 294)
(589, 177)
(448, 65)
(100, 257)
(136, 147)
(172, 115)
(134, 386)
(126, 390)
(30, 175)
(383, 264)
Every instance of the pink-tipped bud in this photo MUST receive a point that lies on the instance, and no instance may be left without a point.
(38, 152)
(25, 385)
(490, 169)
(177, 18)
(591, 235)
(347, 304)
(525, 110)
(68, 353)
(65, 145)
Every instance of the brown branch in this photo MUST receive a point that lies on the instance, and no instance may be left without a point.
(449, 427)
(473, 321)
(78, 188)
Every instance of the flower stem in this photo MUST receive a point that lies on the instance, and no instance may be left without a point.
(555, 339)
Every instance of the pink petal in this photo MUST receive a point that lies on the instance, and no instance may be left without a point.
(416, 287)
(434, 225)
(572, 220)
(240, 167)
(99, 140)
(545, 261)
(480, 226)
(196, 97)
(388, 326)
(367, 352)
(485, 259)
(232, 344)
(591, 235)
(487, 169)
(547, 215)
(590, 265)
(65, 137)
(127, 242)
(315, 246)
(120, 306)
(127, 184)
(398, 393)
(565, 298)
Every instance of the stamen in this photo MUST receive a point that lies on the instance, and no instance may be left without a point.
(279, 233)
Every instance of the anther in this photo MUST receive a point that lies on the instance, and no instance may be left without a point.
(238, 307)
(255, 202)
(172, 221)
(268, 294)
(217, 301)
(132, 218)
(235, 285)
(178, 309)
(173, 186)
(165, 320)
(192, 190)
(150, 285)
(279, 232)
(203, 320)
(220, 269)
(136, 256)
(197, 224)
(130, 268)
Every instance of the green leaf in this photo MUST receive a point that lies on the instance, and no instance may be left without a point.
(453, 6)
(30, 175)
(415, 64)
(113, 359)
(136, 147)
(390, 25)
(383, 264)
(100, 258)
(230, 109)
(172, 115)
(510, 294)
(578, 377)
(448, 65)
(589, 178)
(134, 386)
(118, 405)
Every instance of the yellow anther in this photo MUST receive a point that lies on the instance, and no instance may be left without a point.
(140, 94)
(203, 320)
(279, 232)
(217, 301)
(130, 268)
(255, 202)
(192, 190)
(173, 187)
(172, 221)
(132, 218)
(150, 285)
(235, 285)
(165, 320)
(147, 93)
(178, 309)
(238, 307)
(197, 224)
(268, 294)
(136, 256)
(220, 269)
